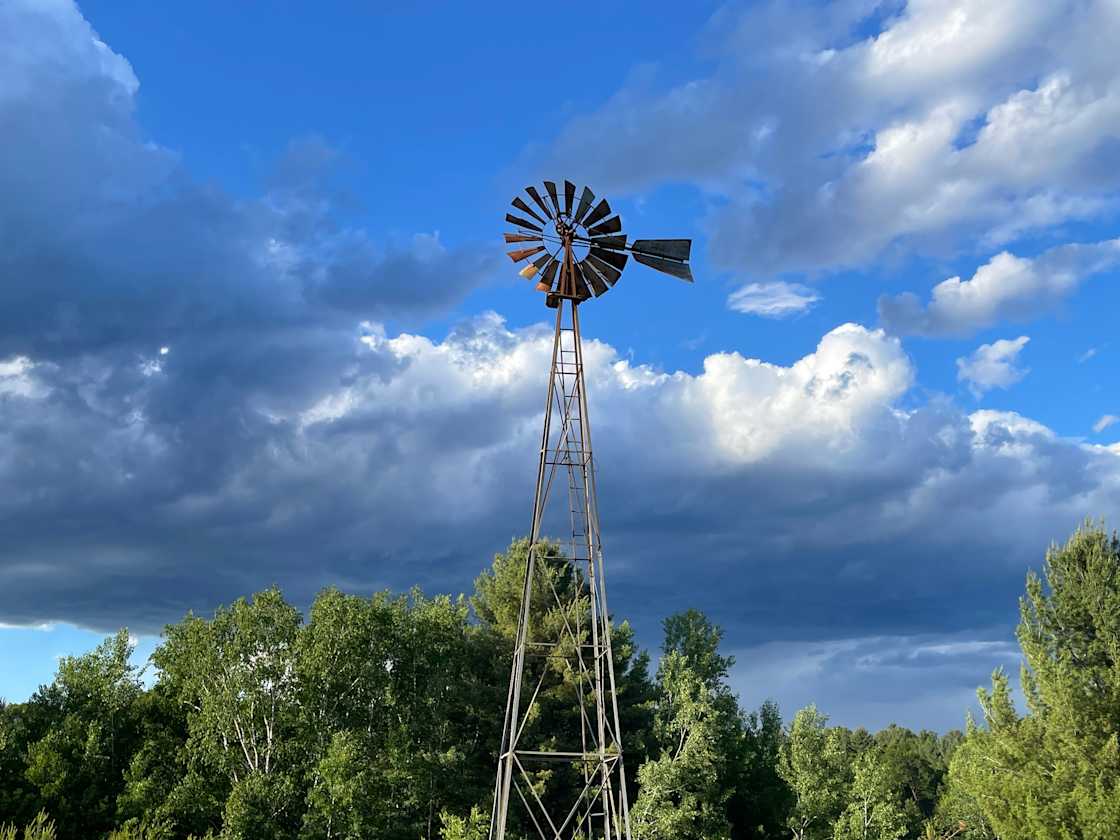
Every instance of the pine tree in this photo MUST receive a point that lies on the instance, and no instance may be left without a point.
(1055, 773)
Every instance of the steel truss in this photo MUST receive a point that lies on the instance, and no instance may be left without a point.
(575, 653)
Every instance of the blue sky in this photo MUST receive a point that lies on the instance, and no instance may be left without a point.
(256, 326)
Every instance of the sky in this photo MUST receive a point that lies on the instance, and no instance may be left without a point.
(256, 325)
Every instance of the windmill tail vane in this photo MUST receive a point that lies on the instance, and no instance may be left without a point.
(561, 772)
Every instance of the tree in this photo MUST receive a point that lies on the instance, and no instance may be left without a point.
(762, 800)
(235, 676)
(873, 812)
(685, 791)
(681, 795)
(815, 763)
(20, 724)
(917, 764)
(88, 724)
(1055, 773)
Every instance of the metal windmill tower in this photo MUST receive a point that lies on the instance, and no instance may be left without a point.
(580, 251)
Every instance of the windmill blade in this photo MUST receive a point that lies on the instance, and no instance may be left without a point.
(673, 249)
(548, 277)
(550, 186)
(519, 255)
(616, 243)
(525, 208)
(584, 205)
(601, 211)
(569, 197)
(611, 225)
(520, 237)
(579, 284)
(593, 278)
(536, 196)
(612, 257)
(517, 220)
(608, 272)
(530, 271)
(677, 269)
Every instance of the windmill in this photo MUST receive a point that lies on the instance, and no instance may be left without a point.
(579, 251)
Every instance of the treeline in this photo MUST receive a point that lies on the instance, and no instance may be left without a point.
(379, 718)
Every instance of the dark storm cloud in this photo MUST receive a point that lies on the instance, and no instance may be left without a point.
(106, 242)
(170, 327)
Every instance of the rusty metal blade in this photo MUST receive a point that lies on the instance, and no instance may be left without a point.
(601, 211)
(673, 249)
(579, 285)
(593, 278)
(584, 205)
(611, 225)
(569, 197)
(677, 269)
(549, 275)
(519, 255)
(525, 208)
(531, 270)
(616, 243)
(520, 237)
(550, 187)
(612, 257)
(517, 220)
(536, 196)
(609, 272)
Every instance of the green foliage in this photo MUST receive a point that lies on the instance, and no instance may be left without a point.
(475, 826)
(873, 812)
(685, 792)
(41, 827)
(917, 764)
(87, 724)
(1055, 773)
(814, 762)
(762, 799)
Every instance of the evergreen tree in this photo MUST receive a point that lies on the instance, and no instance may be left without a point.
(1055, 773)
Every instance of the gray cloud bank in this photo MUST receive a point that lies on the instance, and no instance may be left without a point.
(795, 502)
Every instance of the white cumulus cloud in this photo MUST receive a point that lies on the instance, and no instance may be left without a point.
(772, 300)
(993, 365)
(1006, 287)
(1105, 421)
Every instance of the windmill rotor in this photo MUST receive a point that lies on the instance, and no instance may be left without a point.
(580, 247)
